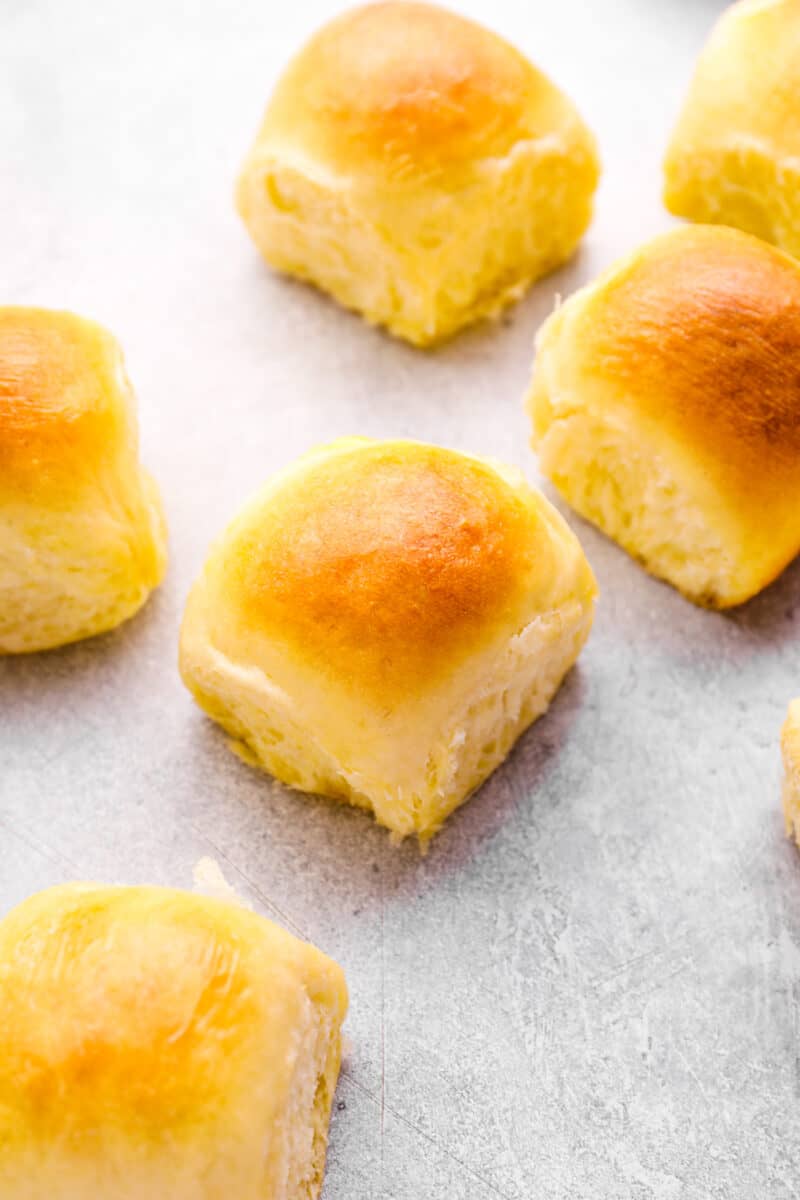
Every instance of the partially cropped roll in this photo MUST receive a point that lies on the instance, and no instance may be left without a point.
(734, 157)
(82, 536)
(666, 409)
(156, 1045)
(381, 622)
(790, 747)
(417, 168)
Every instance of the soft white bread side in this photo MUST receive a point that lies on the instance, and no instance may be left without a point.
(418, 169)
(666, 409)
(790, 748)
(82, 535)
(159, 1044)
(734, 157)
(381, 622)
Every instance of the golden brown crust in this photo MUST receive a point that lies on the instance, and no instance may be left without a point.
(59, 384)
(388, 563)
(177, 971)
(699, 334)
(390, 559)
(381, 622)
(145, 1031)
(407, 89)
(82, 535)
(418, 169)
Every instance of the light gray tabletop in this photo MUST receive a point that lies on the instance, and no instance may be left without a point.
(589, 988)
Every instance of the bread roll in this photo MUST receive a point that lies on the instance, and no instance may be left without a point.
(734, 157)
(666, 409)
(157, 1045)
(82, 537)
(417, 168)
(381, 622)
(790, 746)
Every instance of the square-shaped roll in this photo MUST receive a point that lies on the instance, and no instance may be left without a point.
(790, 747)
(158, 1045)
(82, 534)
(665, 405)
(417, 168)
(381, 622)
(734, 156)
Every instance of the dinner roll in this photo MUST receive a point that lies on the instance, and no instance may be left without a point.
(158, 1045)
(790, 746)
(734, 157)
(382, 621)
(666, 408)
(82, 538)
(417, 168)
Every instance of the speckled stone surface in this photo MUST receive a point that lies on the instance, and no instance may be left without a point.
(589, 988)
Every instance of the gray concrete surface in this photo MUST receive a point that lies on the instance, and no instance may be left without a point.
(589, 988)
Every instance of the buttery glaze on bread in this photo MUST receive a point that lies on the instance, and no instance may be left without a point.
(158, 1045)
(734, 157)
(666, 408)
(417, 168)
(82, 537)
(381, 622)
(790, 747)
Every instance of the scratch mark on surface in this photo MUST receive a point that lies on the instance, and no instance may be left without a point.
(256, 890)
(35, 843)
(80, 740)
(635, 961)
(383, 1028)
(670, 950)
(691, 1071)
(378, 1100)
